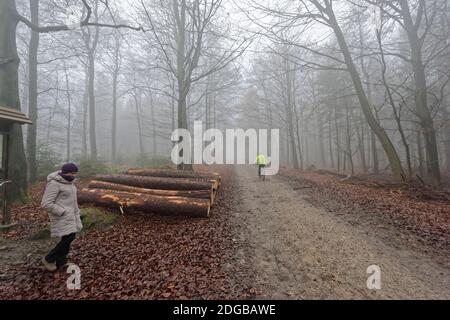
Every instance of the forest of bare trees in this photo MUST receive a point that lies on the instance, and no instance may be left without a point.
(360, 86)
(357, 86)
(224, 150)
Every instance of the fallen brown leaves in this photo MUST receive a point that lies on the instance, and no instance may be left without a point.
(410, 207)
(29, 217)
(146, 257)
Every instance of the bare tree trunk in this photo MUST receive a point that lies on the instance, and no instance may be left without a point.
(306, 142)
(445, 108)
(373, 140)
(137, 103)
(330, 138)
(323, 161)
(92, 121)
(69, 114)
(33, 93)
(373, 144)
(391, 152)
(172, 100)
(215, 111)
(336, 128)
(53, 111)
(114, 120)
(290, 118)
(91, 47)
(319, 128)
(359, 128)
(154, 142)
(84, 148)
(207, 106)
(183, 83)
(446, 132)
(115, 72)
(9, 96)
(422, 110)
(182, 124)
(363, 148)
(299, 140)
(349, 151)
(397, 115)
(420, 153)
(288, 152)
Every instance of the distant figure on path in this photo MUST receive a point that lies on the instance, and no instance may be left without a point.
(261, 163)
(60, 201)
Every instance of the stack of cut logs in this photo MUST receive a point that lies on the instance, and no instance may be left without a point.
(167, 192)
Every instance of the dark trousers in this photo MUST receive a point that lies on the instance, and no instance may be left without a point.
(260, 169)
(59, 253)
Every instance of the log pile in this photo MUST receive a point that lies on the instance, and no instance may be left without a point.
(166, 192)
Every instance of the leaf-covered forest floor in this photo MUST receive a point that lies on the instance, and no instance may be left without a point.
(139, 257)
(298, 235)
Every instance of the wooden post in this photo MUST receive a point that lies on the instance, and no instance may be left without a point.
(6, 221)
(6, 211)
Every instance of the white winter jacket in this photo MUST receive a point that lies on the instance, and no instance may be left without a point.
(60, 201)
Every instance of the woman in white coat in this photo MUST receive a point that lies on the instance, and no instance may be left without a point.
(60, 201)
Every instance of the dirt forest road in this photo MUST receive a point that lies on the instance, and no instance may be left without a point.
(303, 252)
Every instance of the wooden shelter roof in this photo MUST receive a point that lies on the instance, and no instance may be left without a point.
(12, 115)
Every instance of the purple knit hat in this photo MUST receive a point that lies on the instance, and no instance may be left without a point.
(69, 168)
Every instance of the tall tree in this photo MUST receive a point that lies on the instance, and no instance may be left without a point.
(90, 37)
(417, 27)
(115, 74)
(180, 28)
(9, 94)
(33, 93)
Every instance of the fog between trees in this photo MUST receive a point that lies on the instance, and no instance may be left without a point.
(354, 86)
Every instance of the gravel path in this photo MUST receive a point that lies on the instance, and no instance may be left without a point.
(302, 252)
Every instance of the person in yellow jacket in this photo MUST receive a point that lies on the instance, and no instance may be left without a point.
(261, 163)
